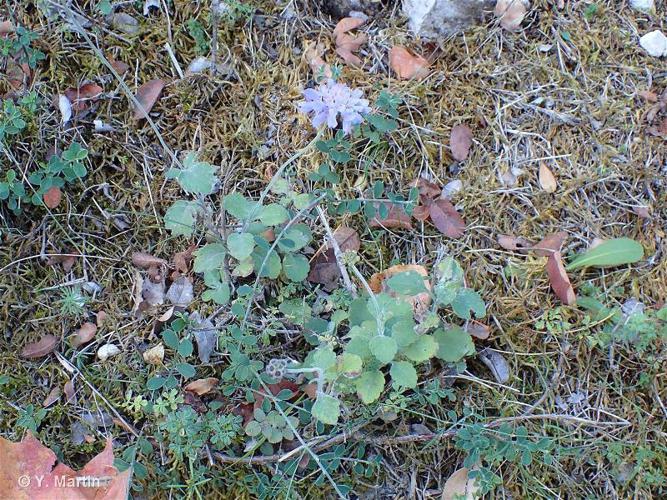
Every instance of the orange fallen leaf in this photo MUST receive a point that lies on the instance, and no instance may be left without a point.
(460, 141)
(147, 95)
(420, 302)
(550, 244)
(45, 345)
(510, 13)
(52, 197)
(560, 282)
(407, 65)
(396, 219)
(427, 189)
(84, 335)
(514, 242)
(547, 179)
(31, 459)
(347, 44)
(145, 260)
(202, 386)
(446, 219)
(79, 97)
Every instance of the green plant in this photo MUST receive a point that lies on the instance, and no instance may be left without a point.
(31, 418)
(20, 47)
(271, 426)
(72, 302)
(178, 338)
(608, 254)
(197, 32)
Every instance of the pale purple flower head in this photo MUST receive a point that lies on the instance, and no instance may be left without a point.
(332, 99)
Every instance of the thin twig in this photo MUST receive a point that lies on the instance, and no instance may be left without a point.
(337, 253)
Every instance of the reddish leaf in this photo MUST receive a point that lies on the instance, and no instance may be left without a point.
(79, 97)
(550, 244)
(510, 13)
(478, 330)
(347, 44)
(560, 282)
(202, 386)
(52, 197)
(85, 334)
(67, 261)
(347, 24)
(407, 65)
(145, 260)
(275, 389)
(647, 95)
(101, 316)
(52, 397)
(147, 95)
(460, 141)
(181, 261)
(119, 66)
(323, 267)
(347, 239)
(396, 218)
(69, 391)
(421, 212)
(427, 189)
(30, 459)
(514, 242)
(445, 217)
(45, 345)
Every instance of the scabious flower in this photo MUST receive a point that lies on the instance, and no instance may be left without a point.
(331, 101)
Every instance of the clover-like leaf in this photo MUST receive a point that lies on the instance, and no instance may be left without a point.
(196, 177)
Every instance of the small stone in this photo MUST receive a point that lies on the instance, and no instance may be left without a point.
(442, 18)
(655, 43)
(643, 5)
(451, 189)
(107, 351)
(154, 355)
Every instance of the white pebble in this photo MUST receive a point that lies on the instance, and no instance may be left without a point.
(655, 43)
(643, 5)
(106, 351)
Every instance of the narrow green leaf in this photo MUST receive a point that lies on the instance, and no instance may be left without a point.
(609, 253)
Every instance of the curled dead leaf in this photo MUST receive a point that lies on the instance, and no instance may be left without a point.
(514, 242)
(84, 335)
(68, 388)
(144, 260)
(202, 386)
(80, 97)
(313, 56)
(478, 330)
(154, 355)
(446, 219)
(496, 363)
(427, 189)
(147, 95)
(396, 219)
(547, 179)
(550, 244)
(323, 266)
(421, 213)
(511, 13)
(347, 44)
(45, 345)
(407, 65)
(52, 397)
(459, 486)
(420, 302)
(560, 282)
(347, 24)
(52, 197)
(460, 141)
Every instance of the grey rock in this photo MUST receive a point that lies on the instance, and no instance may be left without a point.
(443, 18)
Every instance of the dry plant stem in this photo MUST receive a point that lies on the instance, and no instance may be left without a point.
(69, 367)
(337, 253)
(357, 435)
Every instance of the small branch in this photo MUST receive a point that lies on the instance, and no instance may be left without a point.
(337, 253)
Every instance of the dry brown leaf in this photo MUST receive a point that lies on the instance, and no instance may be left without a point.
(84, 335)
(347, 24)
(642, 212)
(560, 282)
(421, 213)
(407, 65)
(510, 13)
(202, 386)
(396, 219)
(45, 345)
(427, 189)
(100, 317)
(79, 97)
(52, 397)
(67, 261)
(647, 95)
(514, 242)
(119, 66)
(346, 45)
(313, 56)
(478, 330)
(659, 130)
(550, 244)
(547, 179)
(460, 141)
(181, 261)
(69, 391)
(460, 487)
(52, 197)
(420, 302)
(154, 355)
(445, 217)
(147, 95)
(145, 260)
(30, 459)
(323, 267)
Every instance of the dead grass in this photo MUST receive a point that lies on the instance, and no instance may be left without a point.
(563, 91)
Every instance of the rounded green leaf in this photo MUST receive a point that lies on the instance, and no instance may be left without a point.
(403, 374)
(240, 245)
(296, 267)
(383, 348)
(273, 214)
(370, 385)
(422, 349)
(454, 344)
(180, 218)
(209, 257)
(326, 409)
